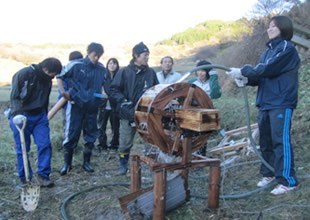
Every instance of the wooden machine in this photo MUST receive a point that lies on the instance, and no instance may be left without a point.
(178, 119)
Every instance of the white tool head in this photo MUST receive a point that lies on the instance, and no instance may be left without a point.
(19, 119)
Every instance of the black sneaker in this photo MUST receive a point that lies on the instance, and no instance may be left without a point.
(45, 182)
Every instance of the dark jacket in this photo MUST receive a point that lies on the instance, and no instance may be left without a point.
(276, 76)
(131, 82)
(85, 79)
(107, 84)
(30, 92)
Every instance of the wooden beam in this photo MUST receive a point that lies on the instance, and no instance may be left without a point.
(301, 41)
(223, 148)
(135, 174)
(214, 187)
(159, 194)
(239, 130)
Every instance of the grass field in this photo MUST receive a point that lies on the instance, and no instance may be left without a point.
(103, 203)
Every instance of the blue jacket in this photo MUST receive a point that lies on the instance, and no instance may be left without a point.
(85, 79)
(276, 76)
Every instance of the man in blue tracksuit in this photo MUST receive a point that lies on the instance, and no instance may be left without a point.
(86, 78)
(277, 79)
(31, 87)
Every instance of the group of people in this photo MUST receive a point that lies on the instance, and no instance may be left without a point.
(96, 94)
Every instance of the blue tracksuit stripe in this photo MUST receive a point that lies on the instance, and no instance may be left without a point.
(287, 148)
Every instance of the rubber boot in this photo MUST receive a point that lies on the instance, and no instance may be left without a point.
(86, 164)
(67, 162)
(123, 163)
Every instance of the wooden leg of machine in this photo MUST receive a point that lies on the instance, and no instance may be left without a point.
(135, 174)
(214, 187)
(185, 176)
(187, 156)
(159, 194)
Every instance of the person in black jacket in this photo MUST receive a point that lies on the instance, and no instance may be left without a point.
(127, 87)
(86, 79)
(31, 87)
(107, 110)
(276, 76)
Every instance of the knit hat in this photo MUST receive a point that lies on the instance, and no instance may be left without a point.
(202, 63)
(140, 48)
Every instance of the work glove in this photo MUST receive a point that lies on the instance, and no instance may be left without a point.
(241, 82)
(127, 111)
(234, 73)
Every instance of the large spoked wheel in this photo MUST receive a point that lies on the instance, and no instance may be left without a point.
(157, 122)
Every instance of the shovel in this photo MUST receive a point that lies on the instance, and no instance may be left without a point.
(30, 193)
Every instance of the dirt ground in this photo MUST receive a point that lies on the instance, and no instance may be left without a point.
(80, 195)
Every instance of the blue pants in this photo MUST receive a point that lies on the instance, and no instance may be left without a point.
(38, 127)
(78, 119)
(275, 145)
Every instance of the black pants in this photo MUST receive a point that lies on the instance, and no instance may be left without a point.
(103, 117)
(275, 145)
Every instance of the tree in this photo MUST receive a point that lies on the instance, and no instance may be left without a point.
(269, 8)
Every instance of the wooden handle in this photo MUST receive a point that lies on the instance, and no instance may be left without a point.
(61, 102)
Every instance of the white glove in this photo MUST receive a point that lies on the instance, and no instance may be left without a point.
(241, 82)
(235, 73)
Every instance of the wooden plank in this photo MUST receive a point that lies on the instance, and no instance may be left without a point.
(198, 119)
(159, 194)
(187, 150)
(135, 174)
(301, 41)
(149, 161)
(301, 29)
(125, 200)
(189, 97)
(240, 130)
(175, 166)
(214, 187)
(220, 149)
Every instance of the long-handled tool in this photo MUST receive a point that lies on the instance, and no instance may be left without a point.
(61, 102)
(30, 193)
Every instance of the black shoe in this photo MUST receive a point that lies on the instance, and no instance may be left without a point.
(45, 182)
(87, 167)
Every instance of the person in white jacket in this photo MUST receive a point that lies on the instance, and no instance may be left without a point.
(167, 75)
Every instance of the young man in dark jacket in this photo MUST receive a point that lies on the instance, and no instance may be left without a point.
(31, 87)
(127, 87)
(86, 78)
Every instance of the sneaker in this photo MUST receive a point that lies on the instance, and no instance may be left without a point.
(281, 189)
(265, 181)
(45, 182)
